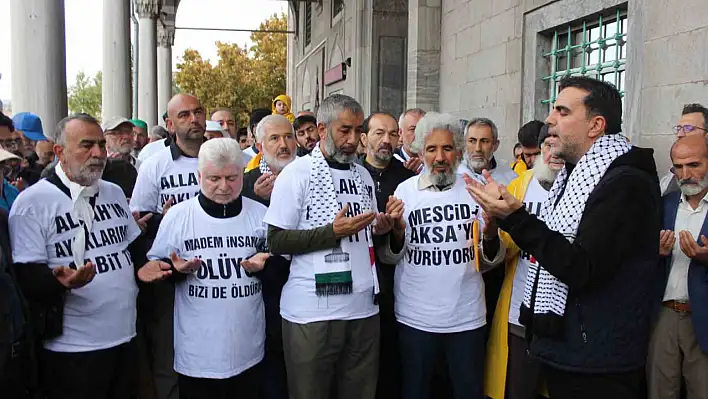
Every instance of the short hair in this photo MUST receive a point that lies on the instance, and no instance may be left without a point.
(331, 107)
(367, 121)
(603, 99)
(528, 134)
(483, 122)
(221, 152)
(437, 121)
(58, 136)
(270, 120)
(671, 151)
(159, 131)
(688, 109)
(256, 116)
(414, 111)
(517, 146)
(7, 122)
(242, 131)
(220, 109)
(301, 120)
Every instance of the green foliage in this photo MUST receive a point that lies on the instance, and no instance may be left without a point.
(85, 94)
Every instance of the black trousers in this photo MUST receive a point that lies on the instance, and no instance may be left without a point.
(243, 386)
(570, 385)
(523, 374)
(103, 374)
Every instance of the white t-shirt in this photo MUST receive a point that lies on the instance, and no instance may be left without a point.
(436, 285)
(101, 314)
(290, 210)
(151, 149)
(219, 316)
(163, 177)
(533, 200)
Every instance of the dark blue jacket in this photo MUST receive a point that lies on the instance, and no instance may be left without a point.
(697, 274)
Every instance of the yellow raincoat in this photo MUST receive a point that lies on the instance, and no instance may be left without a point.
(288, 102)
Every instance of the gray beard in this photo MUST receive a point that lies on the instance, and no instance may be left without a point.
(332, 150)
(694, 189)
(475, 164)
(544, 174)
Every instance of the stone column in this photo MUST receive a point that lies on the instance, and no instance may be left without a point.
(424, 43)
(116, 93)
(165, 40)
(148, 12)
(38, 59)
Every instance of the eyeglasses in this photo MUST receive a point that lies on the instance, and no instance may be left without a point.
(686, 128)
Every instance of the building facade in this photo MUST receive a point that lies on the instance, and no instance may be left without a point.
(502, 59)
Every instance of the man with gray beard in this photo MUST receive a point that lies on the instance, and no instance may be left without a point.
(322, 209)
(506, 349)
(678, 348)
(481, 142)
(70, 236)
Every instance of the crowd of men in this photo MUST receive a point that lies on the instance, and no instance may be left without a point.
(344, 255)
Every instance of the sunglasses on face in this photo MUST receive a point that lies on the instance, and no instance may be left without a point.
(686, 128)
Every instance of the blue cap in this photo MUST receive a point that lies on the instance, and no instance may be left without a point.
(30, 125)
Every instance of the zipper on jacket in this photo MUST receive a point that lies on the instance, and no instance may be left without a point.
(580, 318)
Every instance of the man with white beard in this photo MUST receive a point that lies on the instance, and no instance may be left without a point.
(509, 373)
(679, 343)
(275, 139)
(481, 142)
(438, 286)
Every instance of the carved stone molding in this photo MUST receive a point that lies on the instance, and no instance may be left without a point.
(165, 36)
(147, 8)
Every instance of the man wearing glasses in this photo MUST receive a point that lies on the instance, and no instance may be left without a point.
(694, 121)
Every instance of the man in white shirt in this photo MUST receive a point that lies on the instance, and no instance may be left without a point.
(70, 235)
(438, 284)
(165, 179)
(679, 343)
(118, 132)
(406, 130)
(211, 246)
(481, 142)
(320, 211)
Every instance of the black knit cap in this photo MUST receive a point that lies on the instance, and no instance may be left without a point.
(543, 134)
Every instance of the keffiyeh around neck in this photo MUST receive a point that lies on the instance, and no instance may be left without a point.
(263, 166)
(563, 215)
(83, 211)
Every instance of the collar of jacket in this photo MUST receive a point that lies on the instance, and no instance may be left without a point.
(221, 211)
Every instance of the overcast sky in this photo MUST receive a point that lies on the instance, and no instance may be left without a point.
(83, 51)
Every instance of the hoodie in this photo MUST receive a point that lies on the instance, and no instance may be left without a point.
(288, 102)
(611, 271)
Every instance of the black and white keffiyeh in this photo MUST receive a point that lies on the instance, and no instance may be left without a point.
(263, 166)
(333, 276)
(550, 293)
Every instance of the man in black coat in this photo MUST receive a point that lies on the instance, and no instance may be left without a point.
(380, 137)
(592, 296)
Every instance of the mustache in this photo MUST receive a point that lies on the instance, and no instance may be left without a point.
(387, 147)
(283, 151)
(687, 182)
(437, 164)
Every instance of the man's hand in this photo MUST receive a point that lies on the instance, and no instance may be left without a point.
(667, 239)
(75, 278)
(346, 226)
(185, 266)
(167, 205)
(492, 197)
(19, 184)
(690, 247)
(154, 270)
(395, 209)
(490, 230)
(142, 221)
(264, 186)
(414, 164)
(255, 263)
(383, 225)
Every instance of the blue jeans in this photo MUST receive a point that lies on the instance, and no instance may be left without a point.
(463, 354)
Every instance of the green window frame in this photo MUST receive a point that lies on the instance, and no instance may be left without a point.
(595, 48)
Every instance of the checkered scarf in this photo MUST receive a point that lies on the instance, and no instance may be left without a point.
(551, 294)
(263, 166)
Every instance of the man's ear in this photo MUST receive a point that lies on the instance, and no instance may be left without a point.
(321, 130)
(598, 126)
(259, 146)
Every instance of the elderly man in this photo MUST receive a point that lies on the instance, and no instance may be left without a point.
(321, 210)
(119, 140)
(167, 178)
(305, 133)
(481, 142)
(693, 121)
(275, 139)
(226, 119)
(406, 128)
(70, 235)
(679, 344)
(438, 284)
(211, 246)
(509, 373)
(596, 246)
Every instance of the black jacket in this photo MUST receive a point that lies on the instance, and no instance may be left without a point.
(249, 181)
(610, 269)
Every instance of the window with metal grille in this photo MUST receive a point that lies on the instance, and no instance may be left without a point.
(308, 23)
(337, 7)
(596, 48)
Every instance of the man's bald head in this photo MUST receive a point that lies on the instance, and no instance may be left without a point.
(689, 158)
(186, 117)
(690, 145)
